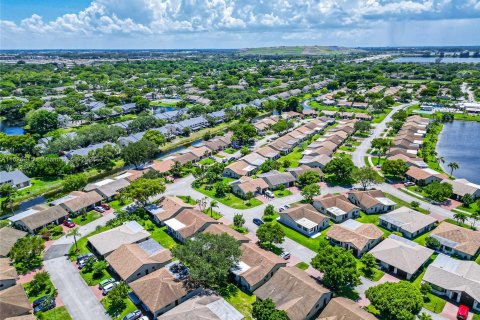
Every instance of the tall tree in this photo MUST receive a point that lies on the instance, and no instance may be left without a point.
(366, 176)
(142, 189)
(270, 233)
(310, 191)
(209, 257)
(453, 166)
(265, 310)
(137, 153)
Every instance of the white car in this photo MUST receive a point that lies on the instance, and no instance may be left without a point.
(269, 194)
(109, 287)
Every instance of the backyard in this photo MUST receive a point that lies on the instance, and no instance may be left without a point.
(229, 199)
(116, 313)
(83, 219)
(239, 300)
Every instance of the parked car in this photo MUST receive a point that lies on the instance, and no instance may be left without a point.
(109, 288)
(105, 206)
(99, 209)
(105, 282)
(409, 183)
(285, 255)
(269, 194)
(39, 301)
(133, 315)
(462, 313)
(84, 257)
(45, 304)
(83, 262)
(143, 318)
(258, 221)
(286, 206)
(281, 209)
(68, 223)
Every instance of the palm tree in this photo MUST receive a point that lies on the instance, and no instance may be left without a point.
(474, 218)
(440, 159)
(213, 204)
(452, 166)
(74, 233)
(460, 217)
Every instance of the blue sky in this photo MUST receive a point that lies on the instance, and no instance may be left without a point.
(50, 24)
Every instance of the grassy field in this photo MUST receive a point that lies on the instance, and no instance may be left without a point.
(187, 199)
(311, 243)
(59, 313)
(89, 217)
(230, 199)
(49, 289)
(294, 157)
(302, 265)
(239, 300)
(91, 281)
(401, 203)
(282, 193)
(373, 218)
(160, 235)
(118, 314)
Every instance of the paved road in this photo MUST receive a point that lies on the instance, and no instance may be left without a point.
(75, 293)
(358, 156)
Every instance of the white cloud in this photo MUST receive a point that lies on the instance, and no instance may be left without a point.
(289, 19)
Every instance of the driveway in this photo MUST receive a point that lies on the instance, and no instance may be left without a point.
(76, 295)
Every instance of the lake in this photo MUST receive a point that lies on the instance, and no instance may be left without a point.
(460, 142)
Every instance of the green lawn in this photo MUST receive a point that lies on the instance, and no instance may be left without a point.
(89, 217)
(239, 300)
(434, 303)
(373, 218)
(230, 199)
(401, 203)
(49, 289)
(118, 314)
(91, 281)
(207, 161)
(213, 214)
(421, 239)
(282, 193)
(161, 236)
(302, 265)
(311, 243)
(472, 209)
(187, 199)
(294, 157)
(230, 150)
(463, 225)
(59, 313)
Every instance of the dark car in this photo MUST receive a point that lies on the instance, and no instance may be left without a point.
(39, 301)
(44, 305)
(133, 315)
(257, 221)
(69, 223)
(84, 256)
(105, 206)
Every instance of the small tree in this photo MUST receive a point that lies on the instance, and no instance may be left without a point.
(270, 233)
(415, 204)
(366, 176)
(248, 197)
(432, 243)
(467, 200)
(238, 220)
(369, 263)
(142, 189)
(88, 267)
(39, 283)
(425, 289)
(74, 182)
(98, 268)
(213, 205)
(424, 316)
(74, 233)
(117, 297)
(265, 310)
(310, 191)
(460, 217)
(269, 210)
(309, 177)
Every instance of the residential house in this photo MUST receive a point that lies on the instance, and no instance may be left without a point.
(275, 179)
(8, 274)
(162, 167)
(200, 152)
(131, 175)
(462, 187)
(133, 261)
(256, 266)
(14, 178)
(14, 303)
(341, 308)
(220, 228)
(108, 188)
(411, 161)
(38, 217)
(163, 289)
(78, 202)
(106, 242)
(356, 236)
(254, 159)
(238, 169)
(268, 153)
(455, 279)
(319, 161)
(185, 158)
(457, 241)
(337, 207)
(9, 237)
(424, 176)
(246, 184)
(371, 201)
(305, 219)
(167, 208)
(295, 292)
(202, 307)
(401, 256)
(408, 222)
(298, 171)
(188, 223)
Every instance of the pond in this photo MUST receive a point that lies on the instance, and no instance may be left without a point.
(161, 109)
(435, 59)
(11, 128)
(459, 142)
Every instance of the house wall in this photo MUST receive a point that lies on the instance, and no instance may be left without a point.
(4, 284)
(321, 303)
(229, 173)
(244, 284)
(176, 303)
